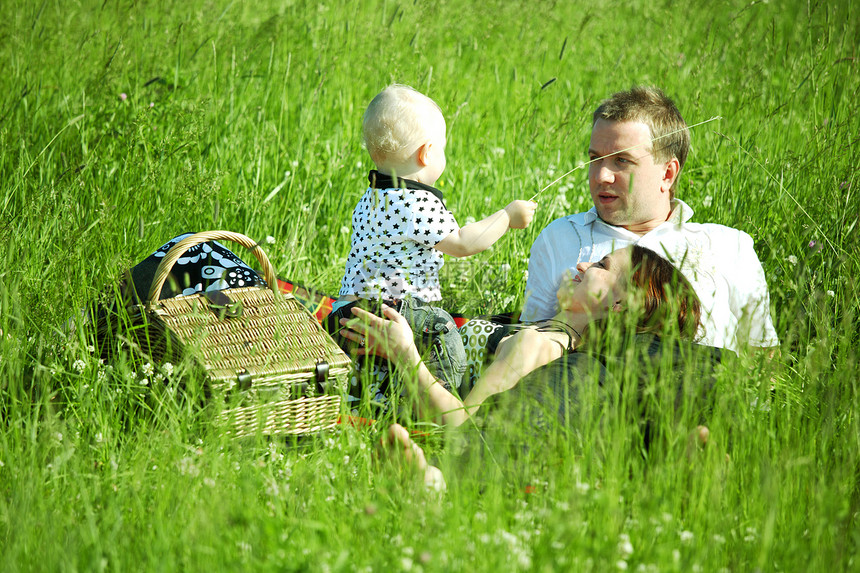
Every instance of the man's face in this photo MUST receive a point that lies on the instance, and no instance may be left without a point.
(628, 188)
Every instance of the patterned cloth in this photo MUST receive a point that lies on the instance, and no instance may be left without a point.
(205, 267)
(395, 226)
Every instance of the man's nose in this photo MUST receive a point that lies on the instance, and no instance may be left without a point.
(602, 174)
(582, 267)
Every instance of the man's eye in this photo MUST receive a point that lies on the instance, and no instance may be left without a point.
(621, 161)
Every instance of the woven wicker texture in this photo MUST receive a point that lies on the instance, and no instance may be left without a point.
(273, 340)
(253, 340)
(293, 417)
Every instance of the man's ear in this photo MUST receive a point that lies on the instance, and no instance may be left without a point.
(670, 174)
(423, 155)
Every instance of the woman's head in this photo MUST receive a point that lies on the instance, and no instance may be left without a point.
(666, 294)
(634, 278)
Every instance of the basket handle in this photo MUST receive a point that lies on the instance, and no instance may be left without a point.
(175, 252)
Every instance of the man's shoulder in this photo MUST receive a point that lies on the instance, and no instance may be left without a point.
(568, 222)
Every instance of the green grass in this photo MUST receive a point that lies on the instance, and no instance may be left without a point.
(228, 101)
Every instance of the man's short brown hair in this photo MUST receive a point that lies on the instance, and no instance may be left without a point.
(649, 105)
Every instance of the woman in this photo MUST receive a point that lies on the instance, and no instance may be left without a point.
(631, 279)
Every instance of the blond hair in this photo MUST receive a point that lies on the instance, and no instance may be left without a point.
(398, 121)
(649, 105)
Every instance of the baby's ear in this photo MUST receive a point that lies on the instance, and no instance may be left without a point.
(423, 154)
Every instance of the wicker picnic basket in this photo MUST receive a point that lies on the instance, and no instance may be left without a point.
(253, 340)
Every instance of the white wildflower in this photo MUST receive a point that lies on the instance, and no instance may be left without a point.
(791, 259)
(144, 381)
(344, 230)
(686, 536)
(91, 348)
(79, 365)
(625, 548)
(719, 539)
(707, 201)
(147, 369)
(830, 293)
(167, 368)
(622, 565)
(270, 240)
(498, 151)
(470, 220)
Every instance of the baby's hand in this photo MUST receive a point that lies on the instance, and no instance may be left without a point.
(520, 213)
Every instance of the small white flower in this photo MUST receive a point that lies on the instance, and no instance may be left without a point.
(525, 275)
(622, 565)
(686, 536)
(470, 220)
(91, 348)
(59, 436)
(144, 381)
(79, 365)
(209, 482)
(625, 548)
(167, 368)
(830, 293)
(344, 230)
(147, 369)
(270, 240)
(294, 163)
(707, 201)
(359, 164)
(719, 539)
(498, 151)
(791, 259)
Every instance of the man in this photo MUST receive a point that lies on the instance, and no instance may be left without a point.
(639, 143)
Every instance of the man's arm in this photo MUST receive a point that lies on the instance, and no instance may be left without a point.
(542, 283)
(751, 297)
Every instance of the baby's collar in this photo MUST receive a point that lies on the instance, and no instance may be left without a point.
(383, 181)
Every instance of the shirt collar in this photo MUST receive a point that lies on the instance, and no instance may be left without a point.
(384, 181)
(681, 213)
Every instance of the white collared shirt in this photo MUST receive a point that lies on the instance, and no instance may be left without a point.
(719, 261)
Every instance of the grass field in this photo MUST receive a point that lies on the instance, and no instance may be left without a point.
(124, 123)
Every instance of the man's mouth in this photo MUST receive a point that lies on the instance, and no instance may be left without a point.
(606, 198)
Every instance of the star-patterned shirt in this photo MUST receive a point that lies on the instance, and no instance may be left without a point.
(395, 226)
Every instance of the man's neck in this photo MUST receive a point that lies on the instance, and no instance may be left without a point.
(646, 227)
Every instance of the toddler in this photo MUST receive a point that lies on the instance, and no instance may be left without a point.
(401, 227)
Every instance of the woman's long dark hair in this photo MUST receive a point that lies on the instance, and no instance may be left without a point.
(669, 296)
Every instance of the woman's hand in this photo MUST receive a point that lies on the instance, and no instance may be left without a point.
(389, 337)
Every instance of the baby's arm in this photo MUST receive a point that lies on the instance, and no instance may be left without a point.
(480, 235)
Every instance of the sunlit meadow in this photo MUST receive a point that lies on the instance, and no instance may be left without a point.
(124, 123)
